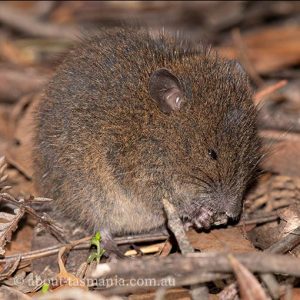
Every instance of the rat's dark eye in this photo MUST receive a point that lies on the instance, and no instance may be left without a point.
(213, 154)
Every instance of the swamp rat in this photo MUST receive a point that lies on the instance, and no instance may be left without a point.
(128, 119)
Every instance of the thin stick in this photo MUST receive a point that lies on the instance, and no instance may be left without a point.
(80, 245)
(85, 242)
(199, 290)
(176, 227)
(287, 243)
(44, 219)
(258, 220)
(259, 96)
(279, 135)
(199, 263)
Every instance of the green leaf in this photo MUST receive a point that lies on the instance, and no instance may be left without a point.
(92, 257)
(98, 236)
(95, 241)
(45, 288)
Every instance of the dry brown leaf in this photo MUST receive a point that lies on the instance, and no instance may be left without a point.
(21, 241)
(66, 278)
(272, 193)
(18, 152)
(267, 234)
(291, 215)
(277, 195)
(9, 219)
(228, 239)
(8, 224)
(249, 287)
(9, 268)
(25, 283)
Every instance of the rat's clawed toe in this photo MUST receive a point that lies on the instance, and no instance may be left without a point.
(187, 225)
(204, 219)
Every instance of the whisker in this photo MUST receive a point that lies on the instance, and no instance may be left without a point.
(199, 179)
(205, 175)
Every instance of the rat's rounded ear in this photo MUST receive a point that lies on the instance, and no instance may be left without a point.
(165, 89)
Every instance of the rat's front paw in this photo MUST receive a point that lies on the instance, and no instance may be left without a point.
(204, 219)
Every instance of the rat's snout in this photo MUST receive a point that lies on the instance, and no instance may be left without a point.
(233, 207)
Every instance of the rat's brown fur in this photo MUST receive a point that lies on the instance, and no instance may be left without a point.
(107, 154)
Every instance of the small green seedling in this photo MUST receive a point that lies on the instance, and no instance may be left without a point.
(95, 241)
(45, 288)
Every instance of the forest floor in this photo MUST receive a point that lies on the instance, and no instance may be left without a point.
(257, 258)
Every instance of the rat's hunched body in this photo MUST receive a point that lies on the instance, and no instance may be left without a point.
(128, 120)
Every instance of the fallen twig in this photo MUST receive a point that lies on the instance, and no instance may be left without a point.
(259, 96)
(80, 245)
(287, 243)
(85, 243)
(9, 268)
(176, 227)
(279, 135)
(198, 291)
(259, 220)
(195, 267)
(44, 219)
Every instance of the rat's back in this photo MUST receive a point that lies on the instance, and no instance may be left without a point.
(85, 109)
